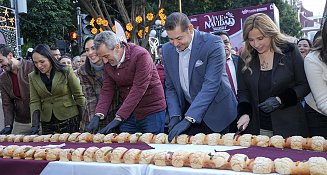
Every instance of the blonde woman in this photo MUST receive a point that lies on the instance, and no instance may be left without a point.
(271, 81)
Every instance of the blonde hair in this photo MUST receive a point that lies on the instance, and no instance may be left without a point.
(268, 28)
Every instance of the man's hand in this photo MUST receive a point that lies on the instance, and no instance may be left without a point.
(92, 127)
(269, 105)
(34, 130)
(6, 130)
(178, 129)
(173, 121)
(113, 124)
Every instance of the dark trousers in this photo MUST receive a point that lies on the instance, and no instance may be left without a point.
(153, 123)
(196, 128)
(60, 126)
(317, 122)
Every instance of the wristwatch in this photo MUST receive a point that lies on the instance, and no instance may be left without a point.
(190, 119)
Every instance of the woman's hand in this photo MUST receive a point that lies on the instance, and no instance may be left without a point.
(243, 121)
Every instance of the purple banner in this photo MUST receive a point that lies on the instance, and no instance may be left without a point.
(231, 21)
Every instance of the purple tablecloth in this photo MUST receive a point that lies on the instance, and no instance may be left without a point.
(35, 167)
(273, 153)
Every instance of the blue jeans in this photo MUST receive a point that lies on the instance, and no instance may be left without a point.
(153, 123)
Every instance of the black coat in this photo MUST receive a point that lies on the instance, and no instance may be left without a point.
(288, 82)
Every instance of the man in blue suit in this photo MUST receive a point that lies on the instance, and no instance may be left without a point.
(198, 93)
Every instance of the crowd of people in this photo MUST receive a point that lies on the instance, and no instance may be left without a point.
(275, 86)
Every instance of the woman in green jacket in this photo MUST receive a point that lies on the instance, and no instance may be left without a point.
(56, 99)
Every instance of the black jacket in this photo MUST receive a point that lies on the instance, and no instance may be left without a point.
(289, 83)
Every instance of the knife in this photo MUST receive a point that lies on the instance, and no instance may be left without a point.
(239, 131)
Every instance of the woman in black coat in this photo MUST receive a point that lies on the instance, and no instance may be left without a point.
(271, 81)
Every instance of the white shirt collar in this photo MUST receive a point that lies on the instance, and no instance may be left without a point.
(122, 59)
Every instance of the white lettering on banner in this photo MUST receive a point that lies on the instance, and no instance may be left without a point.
(219, 22)
(245, 11)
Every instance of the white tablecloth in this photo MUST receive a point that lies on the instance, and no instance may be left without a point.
(93, 168)
(86, 168)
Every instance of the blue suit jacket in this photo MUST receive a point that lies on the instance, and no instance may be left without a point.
(212, 97)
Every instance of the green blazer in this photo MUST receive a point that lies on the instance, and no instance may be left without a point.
(66, 93)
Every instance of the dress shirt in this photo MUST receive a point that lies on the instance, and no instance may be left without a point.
(184, 60)
(232, 69)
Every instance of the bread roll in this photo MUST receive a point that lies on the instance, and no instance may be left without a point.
(85, 137)
(11, 138)
(110, 138)
(98, 138)
(198, 159)
(47, 138)
(277, 141)
(199, 139)
(262, 140)
(228, 139)
(19, 153)
(73, 137)
(8, 152)
(53, 154)
(134, 138)
(297, 142)
(180, 158)
(317, 143)
(238, 162)
(1, 150)
(77, 155)
(64, 137)
(218, 159)
(19, 138)
(29, 138)
(161, 138)
(132, 156)
(29, 154)
(89, 154)
(262, 165)
(55, 138)
(40, 154)
(160, 158)
(246, 140)
(39, 138)
(146, 138)
(104, 154)
(146, 157)
(284, 165)
(301, 168)
(183, 139)
(65, 155)
(117, 155)
(317, 165)
(3, 138)
(123, 137)
(213, 139)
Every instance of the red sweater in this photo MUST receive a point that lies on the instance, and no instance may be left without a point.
(138, 83)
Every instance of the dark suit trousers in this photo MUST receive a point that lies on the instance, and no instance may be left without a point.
(317, 122)
(196, 128)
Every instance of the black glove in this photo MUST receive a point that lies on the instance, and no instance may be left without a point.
(34, 130)
(92, 127)
(6, 130)
(80, 112)
(172, 122)
(269, 105)
(35, 123)
(113, 124)
(178, 129)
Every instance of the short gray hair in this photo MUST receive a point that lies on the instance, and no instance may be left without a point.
(108, 38)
